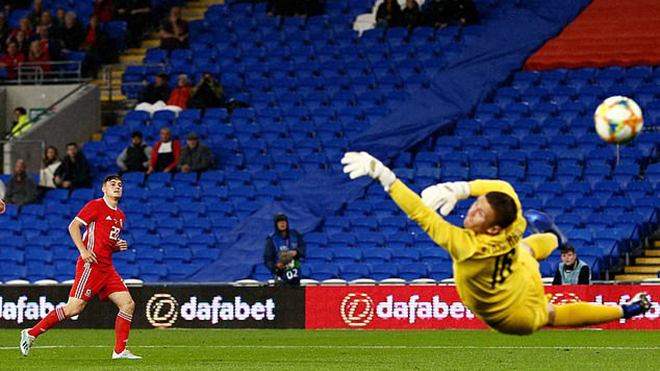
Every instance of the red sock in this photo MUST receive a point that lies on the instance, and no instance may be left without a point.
(48, 322)
(122, 328)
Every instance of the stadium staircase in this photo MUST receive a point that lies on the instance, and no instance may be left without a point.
(110, 82)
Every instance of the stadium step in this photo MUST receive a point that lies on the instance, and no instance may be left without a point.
(194, 13)
(648, 261)
(151, 43)
(131, 59)
(202, 3)
(652, 252)
(644, 269)
(135, 51)
(634, 277)
(114, 98)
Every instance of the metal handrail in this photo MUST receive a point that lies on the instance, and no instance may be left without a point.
(32, 72)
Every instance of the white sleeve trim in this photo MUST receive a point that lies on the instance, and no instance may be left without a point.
(82, 221)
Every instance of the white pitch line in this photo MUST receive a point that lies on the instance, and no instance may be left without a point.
(347, 347)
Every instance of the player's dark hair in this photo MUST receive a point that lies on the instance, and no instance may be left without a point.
(112, 177)
(567, 248)
(505, 208)
(21, 110)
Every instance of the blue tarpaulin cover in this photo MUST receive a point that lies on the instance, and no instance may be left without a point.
(503, 47)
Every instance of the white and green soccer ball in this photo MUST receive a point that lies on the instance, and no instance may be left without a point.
(618, 119)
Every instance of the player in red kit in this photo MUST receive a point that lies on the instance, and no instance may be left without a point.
(103, 222)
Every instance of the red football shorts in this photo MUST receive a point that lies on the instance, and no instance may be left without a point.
(90, 282)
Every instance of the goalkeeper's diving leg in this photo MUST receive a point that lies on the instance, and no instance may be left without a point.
(548, 238)
(585, 314)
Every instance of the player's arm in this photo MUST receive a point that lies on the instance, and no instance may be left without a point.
(74, 230)
(458, 241)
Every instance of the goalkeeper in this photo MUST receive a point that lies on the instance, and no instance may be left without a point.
(283, 251)
(496, 270)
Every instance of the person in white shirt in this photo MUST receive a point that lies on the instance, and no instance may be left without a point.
(49, 164)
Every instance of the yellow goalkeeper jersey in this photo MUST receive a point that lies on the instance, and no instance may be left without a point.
(489, 275)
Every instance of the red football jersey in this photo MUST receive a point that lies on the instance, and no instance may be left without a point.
(103, 226)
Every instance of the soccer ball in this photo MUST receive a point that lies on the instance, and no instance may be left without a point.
(618, 119)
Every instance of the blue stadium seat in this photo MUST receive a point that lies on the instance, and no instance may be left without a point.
(441, 271)
(346, 255)
(413, 271)
(351, 272)
(405, 255)
(324, 271)
(383, 271)
(433, 255)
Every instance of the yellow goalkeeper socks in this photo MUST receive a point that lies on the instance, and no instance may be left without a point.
(542, 244)
(584, 314)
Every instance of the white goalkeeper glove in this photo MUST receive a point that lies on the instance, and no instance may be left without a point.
(358, 164)
(444, 196)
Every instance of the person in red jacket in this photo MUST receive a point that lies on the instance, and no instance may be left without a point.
(11, 60)
(180, 94)
(37, 55)
(166, 152)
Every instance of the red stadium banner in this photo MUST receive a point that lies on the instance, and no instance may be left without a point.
(439, 307)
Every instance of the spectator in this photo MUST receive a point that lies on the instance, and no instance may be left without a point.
(5, 32)
(466, 12)
(571, 271)
(411, 15)
(438, 13)
(156, 91)
(165, 155)
(195, 156)
(47, 21)
(38, 57)
(74, 171)
(60, 17)
(11, 59)
(49, 45)
(22, 188)
(207, 94)
(22, 122)
(136, 156)
(180, 95)
(137, 15)
(72, 33)
(21, 41)
(174, 32)
(388, 14)
(99, 48)
(25, 26)
(37, 8)
(283, 251)
(103, 10)
(49, 165)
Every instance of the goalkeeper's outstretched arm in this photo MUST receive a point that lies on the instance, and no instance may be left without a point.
(456, 240)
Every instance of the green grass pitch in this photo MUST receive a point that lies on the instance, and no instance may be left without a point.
(337, 350)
